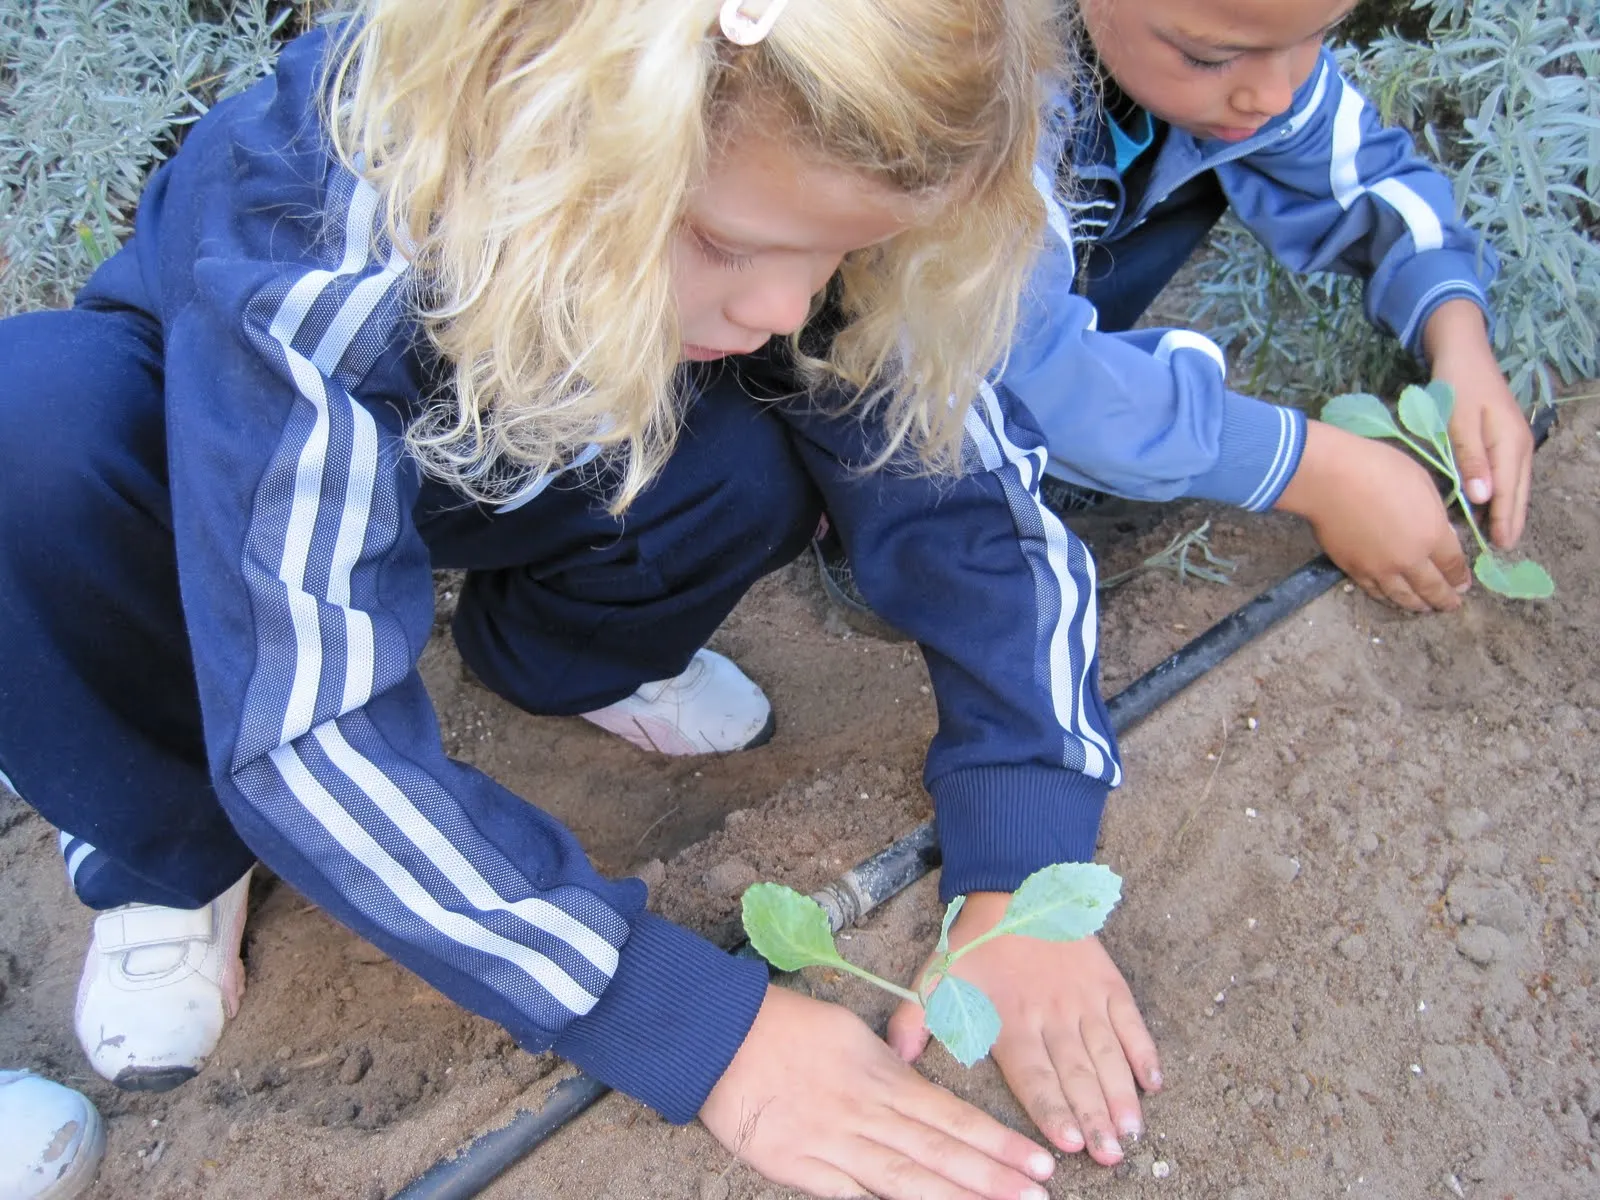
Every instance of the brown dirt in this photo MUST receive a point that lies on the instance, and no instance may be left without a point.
(1364, 928)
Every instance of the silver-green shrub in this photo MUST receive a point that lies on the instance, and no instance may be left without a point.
(1506, 97)
(93, 95)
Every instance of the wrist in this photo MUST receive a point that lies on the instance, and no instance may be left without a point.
(1316, 478)
(981, 913)
(1456, 329)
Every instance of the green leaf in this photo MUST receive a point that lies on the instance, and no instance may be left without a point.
(1444, 396)
(1062, 903)
(787, 929)
(1419, 412)
(1525, 580)
(950, 915)
(1359, 412)
(960, 1016)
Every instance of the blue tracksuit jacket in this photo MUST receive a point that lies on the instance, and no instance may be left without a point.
(1325, 186)
(292, 371)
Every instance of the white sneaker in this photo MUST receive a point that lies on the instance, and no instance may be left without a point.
(51, 1139)
(712, 708)
(158, 986)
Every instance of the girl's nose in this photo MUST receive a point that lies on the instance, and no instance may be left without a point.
(773, 303)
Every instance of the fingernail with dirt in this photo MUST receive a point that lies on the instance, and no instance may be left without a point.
(1130, 1128)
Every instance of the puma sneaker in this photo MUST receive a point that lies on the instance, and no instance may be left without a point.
(51, 1139)
(158, 986)
(712, 708)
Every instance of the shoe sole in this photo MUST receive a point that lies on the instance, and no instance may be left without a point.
(851, 611)
(153, 1079)
(75, 1180)
(764, 736)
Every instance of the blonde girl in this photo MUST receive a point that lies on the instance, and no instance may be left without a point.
(602, 301)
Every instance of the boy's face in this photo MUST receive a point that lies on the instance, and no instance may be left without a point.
(1214, 68)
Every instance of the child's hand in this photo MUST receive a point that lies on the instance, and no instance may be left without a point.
(1377, 514)
(813, 1100)
(1071, 1042)
(1491, 437)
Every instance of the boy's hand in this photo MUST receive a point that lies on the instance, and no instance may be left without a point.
(1072, 1043)
(813, 1100)
(1377, 514)
(1490, 434)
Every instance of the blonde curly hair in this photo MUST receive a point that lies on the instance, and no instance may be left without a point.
(535, 157)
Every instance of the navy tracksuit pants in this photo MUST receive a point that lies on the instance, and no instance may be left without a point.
(565, 608)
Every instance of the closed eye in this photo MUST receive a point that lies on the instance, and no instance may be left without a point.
(717, 256)
(1206, 64)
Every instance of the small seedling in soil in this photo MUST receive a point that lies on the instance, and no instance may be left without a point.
(1058, 904)
(1425, 412)
(1176, 558)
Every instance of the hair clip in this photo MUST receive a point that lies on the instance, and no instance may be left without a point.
(742, 29)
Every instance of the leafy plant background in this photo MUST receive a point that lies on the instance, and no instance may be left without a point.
(1505, 95)
(93, 95)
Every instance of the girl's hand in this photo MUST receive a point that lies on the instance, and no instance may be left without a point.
(1492, 441)
(1377, 514)
(813, 1100)
(1072, 1044)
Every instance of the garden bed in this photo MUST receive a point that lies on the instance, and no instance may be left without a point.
(1364, 928)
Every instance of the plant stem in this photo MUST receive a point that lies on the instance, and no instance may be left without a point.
(1472, 522)
(1457, 495)
(1432, 460)
(999, 930)
(894, 989)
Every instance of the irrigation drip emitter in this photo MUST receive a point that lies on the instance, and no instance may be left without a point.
(889, 872)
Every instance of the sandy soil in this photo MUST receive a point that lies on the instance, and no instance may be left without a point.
(1362, 862)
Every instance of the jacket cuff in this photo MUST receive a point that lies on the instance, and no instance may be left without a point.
(1258, 450)
(998, 825)
(1423, 283)
(670, 1021)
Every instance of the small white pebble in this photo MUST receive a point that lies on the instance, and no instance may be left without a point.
(1416, 1068)
(1221, 997)
(1251, 723)
(1160, 1169)
(1251, 923)
(154, 1121)
(1251, 813)
(1377, 641)
(863, 796)
(924, 689)
(1422, 1006)
(699, 774)
(1348, 588)
(1211, 758)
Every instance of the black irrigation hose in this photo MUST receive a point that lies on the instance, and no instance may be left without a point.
(896, 867)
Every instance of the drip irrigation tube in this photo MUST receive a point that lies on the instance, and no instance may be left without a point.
(896, 867)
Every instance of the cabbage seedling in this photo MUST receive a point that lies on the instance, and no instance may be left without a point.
(1058, 904)
(1425, 412)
